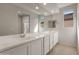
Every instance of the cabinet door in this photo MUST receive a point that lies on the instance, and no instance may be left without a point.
(19, 50)
(51, 41)
(46, 44)
(36, 47)
(55, 38)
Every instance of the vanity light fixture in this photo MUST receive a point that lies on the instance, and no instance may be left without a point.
(36, 7)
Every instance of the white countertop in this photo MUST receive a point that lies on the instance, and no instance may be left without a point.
(10, 41)
(7, 42)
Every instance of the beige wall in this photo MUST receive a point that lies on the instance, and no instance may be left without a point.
(9, 22)
(78, 26)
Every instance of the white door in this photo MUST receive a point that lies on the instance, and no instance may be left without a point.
(67, 35)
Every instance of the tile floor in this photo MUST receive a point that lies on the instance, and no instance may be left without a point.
(63, 50)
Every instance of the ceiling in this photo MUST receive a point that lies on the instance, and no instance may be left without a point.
(49, 8)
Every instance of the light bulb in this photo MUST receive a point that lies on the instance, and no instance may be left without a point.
(44, 3)
(36, 7)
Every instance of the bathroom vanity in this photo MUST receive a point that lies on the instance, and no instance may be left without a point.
(32, 44)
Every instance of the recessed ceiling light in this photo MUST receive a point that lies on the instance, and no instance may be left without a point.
(36, 7)
(52, 11)
(44, 3)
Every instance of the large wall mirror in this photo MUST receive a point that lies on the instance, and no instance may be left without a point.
(41, 23)
(24, 23)
(46, 23)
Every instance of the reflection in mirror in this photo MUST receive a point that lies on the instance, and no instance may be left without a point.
(46, 23)
(41, 23)
(52, 24)
(25, 24)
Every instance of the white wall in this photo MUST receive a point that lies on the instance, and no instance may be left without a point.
(9, 21)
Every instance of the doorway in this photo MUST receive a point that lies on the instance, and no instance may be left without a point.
(68, 34)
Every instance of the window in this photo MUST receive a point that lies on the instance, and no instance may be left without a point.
(68, 20)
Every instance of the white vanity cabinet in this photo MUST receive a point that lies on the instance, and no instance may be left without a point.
(46, 44)
(40, 45)
(36, 47)
(18, 50)
(55, 38)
